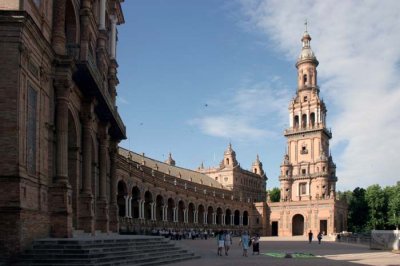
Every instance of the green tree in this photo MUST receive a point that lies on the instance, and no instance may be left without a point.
(358, 211)
(393, 194)
(377, 204)
(275, 194)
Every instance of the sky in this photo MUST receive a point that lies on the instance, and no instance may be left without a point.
(197, 75)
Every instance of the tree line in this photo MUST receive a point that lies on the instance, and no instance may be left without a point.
(375, 207)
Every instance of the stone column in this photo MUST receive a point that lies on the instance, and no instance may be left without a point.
(86, 218)
(130, 207)
(126, 206)
(186, 216)
(163, 213)
(59, 39)
(175, 214)
(196, 217)
(232, 219)
(113, 214)
(102, 24)
(60, 191)
(113, 36)
(153, 211)
(205, 218)
(214, 218)
(102, 216)
(241, 220)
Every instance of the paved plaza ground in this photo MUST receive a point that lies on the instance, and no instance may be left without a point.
(328, 253)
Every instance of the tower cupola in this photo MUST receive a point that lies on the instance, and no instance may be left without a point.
(170, 161)
(230, 157)
(257, 167)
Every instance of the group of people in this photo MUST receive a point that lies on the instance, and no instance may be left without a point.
(174, 234)
(319, 237)
(224, 240)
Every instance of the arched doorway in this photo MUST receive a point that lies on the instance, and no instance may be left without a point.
(245, 218)
(191, 213)
(135, 202)
(210, 212)
(122, 193)
(200, 216)
(170, 210)
(298, 225)
(148, 199)
(219, 216)
(236, 218)
(159, 208)
(228, 217)
(181, 211)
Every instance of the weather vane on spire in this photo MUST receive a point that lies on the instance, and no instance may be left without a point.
(305, 24)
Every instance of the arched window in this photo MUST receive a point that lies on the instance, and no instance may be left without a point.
(296, 121)
(305, 79)
(227, 161)
(304, 121)
(312, 119)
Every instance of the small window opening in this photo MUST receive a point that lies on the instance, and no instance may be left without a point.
(305, 99)
(303, 171)
(305, 78)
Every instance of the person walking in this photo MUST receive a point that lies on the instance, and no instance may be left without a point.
(256, 244)
(245, 241)
(228, 242)
(319, 237)
(310, 236)
(221, 242)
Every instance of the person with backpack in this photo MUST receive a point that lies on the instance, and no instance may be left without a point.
(319, 237)
(228, 242)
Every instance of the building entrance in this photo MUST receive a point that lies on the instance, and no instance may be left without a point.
(323, 226)
(298, 225)
(274, 229)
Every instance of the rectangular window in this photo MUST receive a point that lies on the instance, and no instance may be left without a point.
(303, 188)
(31, 131)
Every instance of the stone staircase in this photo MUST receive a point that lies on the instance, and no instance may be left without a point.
(112, 250)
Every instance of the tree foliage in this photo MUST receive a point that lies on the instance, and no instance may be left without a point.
(275, 194)
(373, 208)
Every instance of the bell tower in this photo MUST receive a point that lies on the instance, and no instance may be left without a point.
(307, 170)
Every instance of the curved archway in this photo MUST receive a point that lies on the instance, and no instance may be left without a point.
(219, 216)
(121, 202)
(210, 212)
(135, 202)
(245, 218)
(71, 23)
(148, 199)
(298, 225)
(159, 207)
(191, 210)
(228, 217)
(181, 211)
(201, 214)
(170, 210)
(236, 218)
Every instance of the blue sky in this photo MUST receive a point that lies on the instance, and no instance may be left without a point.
(196, 75)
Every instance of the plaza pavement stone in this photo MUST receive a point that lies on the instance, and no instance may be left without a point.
(327, 253)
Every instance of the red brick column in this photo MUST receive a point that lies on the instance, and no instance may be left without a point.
(59, 38)
(102, 217)
(60, 191)
(86, 208)
(114, 219)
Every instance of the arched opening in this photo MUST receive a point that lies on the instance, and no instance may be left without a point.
(245, 218)
(296, 121)
(73, 167)
(305, 79)
(304, 121)
(148, 199)
(236, 218)
(70, 23)
(121, 201)
(312, 119)
(200, 215)
(181, 211)
(298, 225)
(228, 214)
(210, 212)
(227, 161)
(135, 202)
(159, 208)
(170, 210)
(191, 213)
(219, 216)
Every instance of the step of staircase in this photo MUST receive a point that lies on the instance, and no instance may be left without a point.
(104, 250)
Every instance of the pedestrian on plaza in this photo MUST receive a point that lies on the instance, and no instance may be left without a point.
(245, 241)
(310, 236)
(205, 234)
(319, 237)
(228, 242)
(221, 242)
(256, 244)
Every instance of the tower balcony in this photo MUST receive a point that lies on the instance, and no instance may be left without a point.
(311, 128)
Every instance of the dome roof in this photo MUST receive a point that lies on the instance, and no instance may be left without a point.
(306, 52)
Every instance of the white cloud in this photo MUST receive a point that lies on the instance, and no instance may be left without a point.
(252, 112)
(357, 44)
